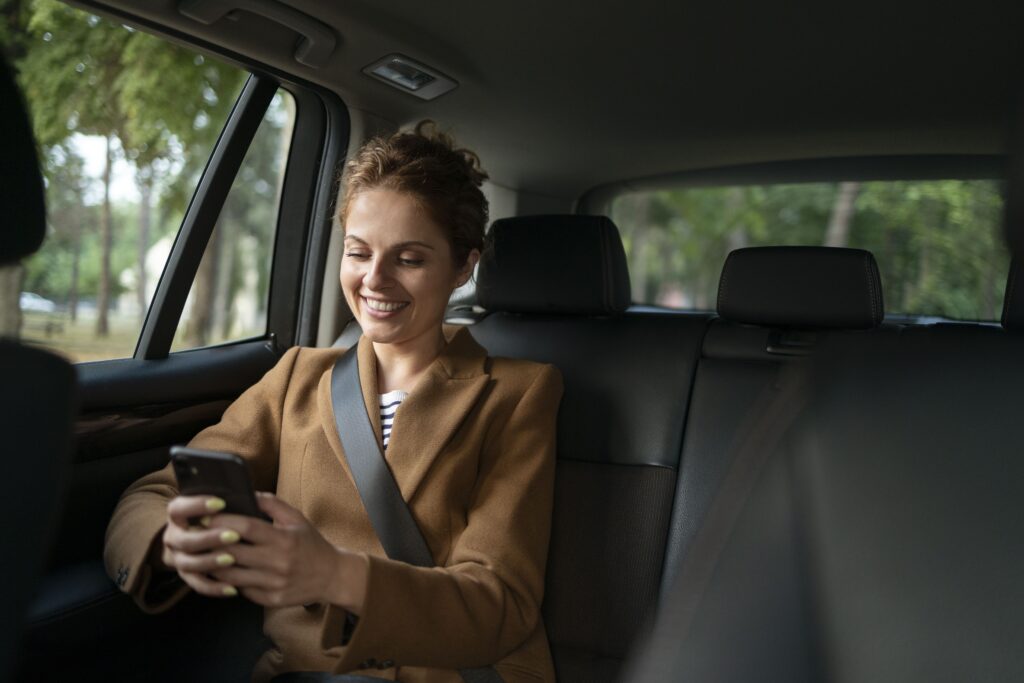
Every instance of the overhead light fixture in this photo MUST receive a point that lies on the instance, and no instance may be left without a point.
(410, 76)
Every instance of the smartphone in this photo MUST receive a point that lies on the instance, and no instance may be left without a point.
(212, 473)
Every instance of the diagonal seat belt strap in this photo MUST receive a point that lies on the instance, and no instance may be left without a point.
(389, 515)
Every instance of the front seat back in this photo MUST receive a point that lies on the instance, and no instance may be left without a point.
(37, 403)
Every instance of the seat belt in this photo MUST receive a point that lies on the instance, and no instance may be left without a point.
(769, 420)
(389, 515)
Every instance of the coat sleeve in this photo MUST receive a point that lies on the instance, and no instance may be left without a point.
(486, 602)
(250, 428)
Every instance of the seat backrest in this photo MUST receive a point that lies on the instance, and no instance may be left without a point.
(36, 406)
(556, 289)
(776, 305)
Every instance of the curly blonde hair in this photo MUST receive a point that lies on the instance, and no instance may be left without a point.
(425, 164)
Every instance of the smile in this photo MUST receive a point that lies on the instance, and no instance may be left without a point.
(385, 306)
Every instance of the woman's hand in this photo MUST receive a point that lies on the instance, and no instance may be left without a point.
(287, 562)
(195, 552)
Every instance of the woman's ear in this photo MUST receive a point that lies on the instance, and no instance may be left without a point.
(466, 271)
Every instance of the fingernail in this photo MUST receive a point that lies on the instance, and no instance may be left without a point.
(229, 536)
(230, 591)
(205, 520)
(224, 559)
(215, 504)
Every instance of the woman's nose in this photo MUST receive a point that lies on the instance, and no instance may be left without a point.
(378, 276)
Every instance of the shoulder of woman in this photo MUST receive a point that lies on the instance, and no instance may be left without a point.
(524, 372)
(307, 362)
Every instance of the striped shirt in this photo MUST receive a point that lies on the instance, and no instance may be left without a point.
(389, 403)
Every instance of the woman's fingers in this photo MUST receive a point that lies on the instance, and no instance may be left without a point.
(182, 509)
(205, 585)
(197, 541)
(250, 529)
(204, 563)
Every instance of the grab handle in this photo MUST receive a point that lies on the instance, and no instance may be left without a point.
(314, 48)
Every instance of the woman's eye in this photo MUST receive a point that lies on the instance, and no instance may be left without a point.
(411, 261)
(356, 255)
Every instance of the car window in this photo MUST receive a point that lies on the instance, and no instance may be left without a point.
(938, 244)
(126, 122)
(228, 299)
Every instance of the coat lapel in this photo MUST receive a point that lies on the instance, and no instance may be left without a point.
(435, 409)
(428, 417)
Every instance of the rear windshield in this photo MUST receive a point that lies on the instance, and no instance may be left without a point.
(938, 244)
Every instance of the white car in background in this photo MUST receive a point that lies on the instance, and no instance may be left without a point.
(30, 301)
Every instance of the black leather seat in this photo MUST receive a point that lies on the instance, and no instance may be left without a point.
(884, 540)
(36, 406)
(775, 305)
(556, 290)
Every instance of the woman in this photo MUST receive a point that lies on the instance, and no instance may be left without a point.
(471, 447)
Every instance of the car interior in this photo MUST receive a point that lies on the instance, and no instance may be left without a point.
(787, 484)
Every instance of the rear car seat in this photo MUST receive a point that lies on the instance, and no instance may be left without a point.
(556, 288)
(883, 540)
(775, 305)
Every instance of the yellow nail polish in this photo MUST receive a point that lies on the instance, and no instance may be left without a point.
(215, 504)
(229, 536)
(225, 559)
(230, 591)
(206, 520)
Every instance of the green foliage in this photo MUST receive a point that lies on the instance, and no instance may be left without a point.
(937, 243)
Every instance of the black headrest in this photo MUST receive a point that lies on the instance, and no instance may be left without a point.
(554, 264)
(21, 191)
(1013, 300)
(804, 287)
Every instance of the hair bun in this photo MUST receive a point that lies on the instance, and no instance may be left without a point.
(428, 129)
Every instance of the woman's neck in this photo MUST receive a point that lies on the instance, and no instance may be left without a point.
(401, 365)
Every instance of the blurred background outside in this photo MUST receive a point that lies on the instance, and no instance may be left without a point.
(125, 124)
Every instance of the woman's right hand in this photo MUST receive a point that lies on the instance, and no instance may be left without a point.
(194, 552)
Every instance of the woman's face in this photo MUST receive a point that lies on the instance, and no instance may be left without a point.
(397, 271)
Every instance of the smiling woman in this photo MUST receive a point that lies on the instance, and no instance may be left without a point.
(470, 444)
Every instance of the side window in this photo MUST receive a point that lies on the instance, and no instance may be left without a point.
(125, 122)
(228, 299)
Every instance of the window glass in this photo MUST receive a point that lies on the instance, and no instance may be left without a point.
(228, 299)
(125, 122)
(938, 244)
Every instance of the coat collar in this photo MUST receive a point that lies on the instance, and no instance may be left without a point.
(430, 414)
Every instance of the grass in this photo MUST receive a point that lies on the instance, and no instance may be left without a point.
(77, 341)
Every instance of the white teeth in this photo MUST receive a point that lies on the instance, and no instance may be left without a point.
(385, 306)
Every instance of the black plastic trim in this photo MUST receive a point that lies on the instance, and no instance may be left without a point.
(212, 372)
(201, 217)
(325, 194)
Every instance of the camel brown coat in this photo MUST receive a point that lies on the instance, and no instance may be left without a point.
(472, 451)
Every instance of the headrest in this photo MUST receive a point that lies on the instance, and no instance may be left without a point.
(1013, 300)
(21, 192)
(803, 287)
(554, 264)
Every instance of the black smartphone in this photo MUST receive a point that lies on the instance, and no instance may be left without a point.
(212, 473)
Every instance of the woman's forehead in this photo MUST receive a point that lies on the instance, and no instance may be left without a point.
(389, 218)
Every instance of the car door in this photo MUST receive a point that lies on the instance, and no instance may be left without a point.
(177, 380)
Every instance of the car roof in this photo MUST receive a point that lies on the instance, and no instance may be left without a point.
(560, 97)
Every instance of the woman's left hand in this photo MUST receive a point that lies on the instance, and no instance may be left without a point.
(288, 562)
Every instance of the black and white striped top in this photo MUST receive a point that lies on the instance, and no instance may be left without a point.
(389, 403)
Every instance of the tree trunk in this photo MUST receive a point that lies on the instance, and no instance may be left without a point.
(76, 258)
(197, 329)
(220, 318)
(145, 213)
(838, 232)
(106, 245)
(11, 277)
